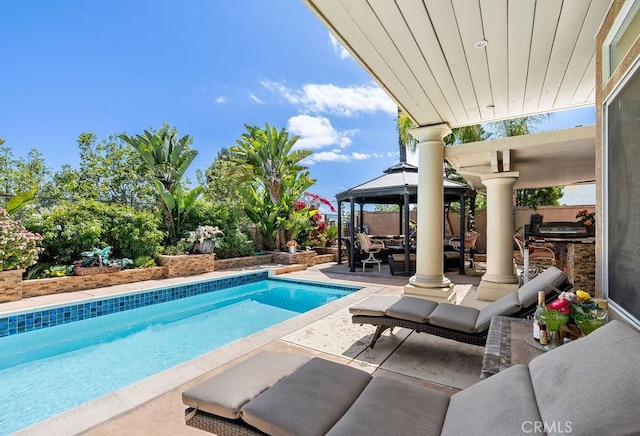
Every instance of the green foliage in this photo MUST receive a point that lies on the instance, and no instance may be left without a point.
(71, 228)
(58, 271)
(167, 159)
(386, 207)
(538, 197)
(144, 262)
(233, 243)
(19, 200)
(220, 181)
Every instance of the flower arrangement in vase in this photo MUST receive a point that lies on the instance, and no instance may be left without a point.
(204, 239)
(292, 245)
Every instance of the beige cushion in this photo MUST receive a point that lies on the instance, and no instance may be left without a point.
(412, 309)
(499, 405)
(460, 318)
(452, 254)
(375, 305)
(391, 407)
(593, 383)
(400, 257)
(550, 278)
(309, 401)
(225, 393)
(505, 306)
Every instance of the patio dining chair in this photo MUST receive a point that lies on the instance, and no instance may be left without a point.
(470, 239)
(370, 247)
(541, 256)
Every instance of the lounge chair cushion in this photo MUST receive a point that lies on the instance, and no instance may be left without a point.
(505, 306)
(313, 398)
(225, 393)
(598, 376)
(550, 278)
(460, 318)
(412, 309)
(390, 407)
(498, 405)
(375, 305)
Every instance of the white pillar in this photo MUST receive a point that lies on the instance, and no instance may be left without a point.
(429, 280)
(500, 278)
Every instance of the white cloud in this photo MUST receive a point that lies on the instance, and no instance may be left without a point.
(256, 99)
(336, 156)
(317, 132)
(329, 98)
(338, 48)
(221, 99)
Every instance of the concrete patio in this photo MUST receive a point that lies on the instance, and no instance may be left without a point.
(154, 406)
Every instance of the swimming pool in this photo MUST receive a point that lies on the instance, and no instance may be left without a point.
(56, 358)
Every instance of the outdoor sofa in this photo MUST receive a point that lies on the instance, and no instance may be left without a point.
(589, 386)
(450, 260)
(451, 321)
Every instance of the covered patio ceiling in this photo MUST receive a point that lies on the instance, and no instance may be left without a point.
(556, 158)
(466, 62)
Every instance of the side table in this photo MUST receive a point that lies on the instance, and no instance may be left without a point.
(506, 345)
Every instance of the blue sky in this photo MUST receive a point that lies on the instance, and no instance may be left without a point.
(206, 67)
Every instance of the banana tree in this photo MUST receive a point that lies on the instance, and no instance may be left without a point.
(168, 158)
(19, 200)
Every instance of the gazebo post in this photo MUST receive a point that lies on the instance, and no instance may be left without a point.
(352, 236)
(407, 249)
(339, 232)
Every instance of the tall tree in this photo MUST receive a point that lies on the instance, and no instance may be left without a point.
(168, 158)
(272, 177)
(220, 184)
(404, 126)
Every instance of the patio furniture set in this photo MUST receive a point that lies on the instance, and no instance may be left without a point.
(281, 393)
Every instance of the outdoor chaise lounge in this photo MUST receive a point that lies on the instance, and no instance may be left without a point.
(460, 323)
(587, 387)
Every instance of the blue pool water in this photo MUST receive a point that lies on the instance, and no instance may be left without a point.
(46, 371)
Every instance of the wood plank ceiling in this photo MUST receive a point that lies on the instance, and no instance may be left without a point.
(539, 54)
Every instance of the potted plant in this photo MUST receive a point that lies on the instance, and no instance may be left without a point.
(204, 239)
(292, 245)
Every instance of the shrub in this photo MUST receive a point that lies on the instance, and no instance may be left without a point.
(71, 228)
(19, 248)
(233, 243)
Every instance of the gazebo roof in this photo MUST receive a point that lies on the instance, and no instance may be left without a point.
(397, 180)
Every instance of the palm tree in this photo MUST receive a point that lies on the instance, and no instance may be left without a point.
(404, 126)
(267, 157)
(271, 177)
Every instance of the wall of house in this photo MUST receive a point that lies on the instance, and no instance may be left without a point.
(603, 90)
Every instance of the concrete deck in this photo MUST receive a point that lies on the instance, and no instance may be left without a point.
(153, 406)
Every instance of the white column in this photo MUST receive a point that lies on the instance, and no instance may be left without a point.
(429, 280)
(500, 278)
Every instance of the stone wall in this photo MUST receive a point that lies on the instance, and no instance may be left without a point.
(12, 288)
(582, 271)
(187, 264)
(58, 285)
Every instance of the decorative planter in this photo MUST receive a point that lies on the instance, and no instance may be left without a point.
(187, 264)
(292, 249)
(92, 270)
(204, 247)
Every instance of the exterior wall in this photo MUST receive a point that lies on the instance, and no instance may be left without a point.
(602, 91)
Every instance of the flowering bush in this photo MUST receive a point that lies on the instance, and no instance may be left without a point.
(586, 218)
(19, 248)
(314, 231)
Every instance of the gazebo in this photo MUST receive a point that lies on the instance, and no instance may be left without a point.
(398, 185)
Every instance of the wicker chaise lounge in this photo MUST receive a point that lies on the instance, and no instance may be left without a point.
(285, 394)
(460, 323)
